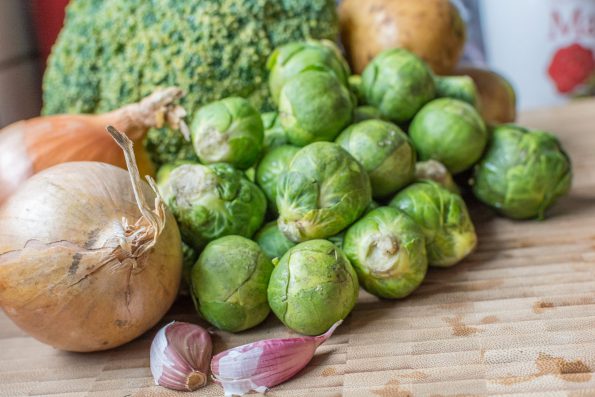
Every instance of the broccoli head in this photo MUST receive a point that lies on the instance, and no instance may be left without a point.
(113, 52)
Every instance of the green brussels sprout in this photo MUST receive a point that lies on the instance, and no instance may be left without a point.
(189, 257)
(272, 241)
(250, 174)
(295, 58)
(363, 113)
(165, 171)
(228, 131)
(323, 192)
(385, 152)
(387, 250)
(211, 201)
(356, 87)
(462, 88)
(522, 172)
(314, 107)
(271, 167)
(274, 134)
(229, 283)
(450, 131)
(312, 287)
(398, 83)
(437, 172)
(443, 218)
(371, 207)
(337, 239)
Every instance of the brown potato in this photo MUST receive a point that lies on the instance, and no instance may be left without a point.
(497, 99)
(432, 29)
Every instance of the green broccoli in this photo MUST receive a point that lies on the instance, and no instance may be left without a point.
(113, 52)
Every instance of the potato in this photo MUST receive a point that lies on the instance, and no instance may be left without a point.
(432, 29)
(497, 99)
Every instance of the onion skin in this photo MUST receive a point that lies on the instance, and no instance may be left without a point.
(64, 277)
(30, 146)
(432, 29)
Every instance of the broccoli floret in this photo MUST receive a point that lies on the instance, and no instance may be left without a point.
(113, 52)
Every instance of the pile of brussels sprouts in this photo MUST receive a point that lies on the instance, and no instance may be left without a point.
(351, 198)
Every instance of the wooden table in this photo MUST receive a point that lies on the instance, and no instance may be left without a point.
(517, 317)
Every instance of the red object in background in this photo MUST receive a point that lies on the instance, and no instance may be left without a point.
(571, 66)
(48, 17)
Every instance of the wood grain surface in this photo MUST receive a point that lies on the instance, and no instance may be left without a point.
(516, 318)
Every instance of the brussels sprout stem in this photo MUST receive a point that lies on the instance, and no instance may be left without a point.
(382, 252)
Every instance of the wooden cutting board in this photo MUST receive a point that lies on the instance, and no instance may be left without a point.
(516, 318)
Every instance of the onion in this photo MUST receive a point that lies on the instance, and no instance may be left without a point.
(85, 263)
(30, 146)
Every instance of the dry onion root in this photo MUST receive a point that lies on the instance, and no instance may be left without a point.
(86, 263)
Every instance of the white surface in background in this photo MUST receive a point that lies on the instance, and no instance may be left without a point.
(521, 39)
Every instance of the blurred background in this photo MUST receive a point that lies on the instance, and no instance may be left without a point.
(28, 29)
(544, 47)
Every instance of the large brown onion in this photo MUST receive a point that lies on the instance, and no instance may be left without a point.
(86, 263)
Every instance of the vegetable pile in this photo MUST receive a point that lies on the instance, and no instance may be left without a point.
(316, 166)
(284, 204)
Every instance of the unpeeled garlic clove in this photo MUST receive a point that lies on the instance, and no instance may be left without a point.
(261, 365)
(180, 356)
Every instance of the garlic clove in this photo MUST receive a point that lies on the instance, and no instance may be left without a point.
(180, 355)
(261, 365)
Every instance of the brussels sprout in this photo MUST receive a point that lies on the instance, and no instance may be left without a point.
(372, 206)
(387, 250)
(271, 167)
(398, 83)
(213, 201)
(272, 241)
(228, 131)
(384, 151)
(444, 220)
(458, 87)
(165, 171)
(437, 172)
(355, 85)
(314, 107)
(189, 257)
(324, 191)
(363, 113)
(312, 287)
(337, 239)
(295, 58)
(229, 283)
(450, 131)
(250, 174)
(522, 173)
(274, 134)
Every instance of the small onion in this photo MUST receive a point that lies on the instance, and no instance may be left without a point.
(31, 146)
(85, 263)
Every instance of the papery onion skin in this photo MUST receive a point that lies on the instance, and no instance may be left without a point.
(55, 231)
